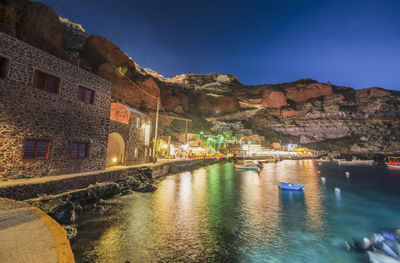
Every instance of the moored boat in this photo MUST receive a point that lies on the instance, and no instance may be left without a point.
(248, 165)
(291, 186)
(381, 258)
(393, 162)
(355, 162)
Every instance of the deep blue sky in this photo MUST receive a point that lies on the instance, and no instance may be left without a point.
(348, 42)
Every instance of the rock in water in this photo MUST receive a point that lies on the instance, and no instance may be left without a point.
(71, 231)
(65, 214)
(146, 188)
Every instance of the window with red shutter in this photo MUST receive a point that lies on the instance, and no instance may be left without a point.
(79, 150)
(36, 149)
(46, 82)
(3, 67)
(86, 95)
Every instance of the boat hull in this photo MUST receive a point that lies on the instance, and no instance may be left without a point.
(379, 258)
(356, 162)
(291, 187)
(253, 168)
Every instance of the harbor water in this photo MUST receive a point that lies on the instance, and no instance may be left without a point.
(221, 214)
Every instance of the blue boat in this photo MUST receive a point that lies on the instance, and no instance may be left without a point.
(291, 186)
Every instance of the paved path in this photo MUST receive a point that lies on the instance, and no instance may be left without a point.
(27, 234)
(37, 180)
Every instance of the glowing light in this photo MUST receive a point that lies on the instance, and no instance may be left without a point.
(114, 159)
(185, 147)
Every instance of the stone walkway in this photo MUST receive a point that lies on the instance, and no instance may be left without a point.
(37, 180)
(29, 235)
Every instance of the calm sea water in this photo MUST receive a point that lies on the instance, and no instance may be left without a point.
(220, 214)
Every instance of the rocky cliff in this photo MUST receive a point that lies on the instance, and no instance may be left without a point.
(321, 115)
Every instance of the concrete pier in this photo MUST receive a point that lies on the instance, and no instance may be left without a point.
(29, 235)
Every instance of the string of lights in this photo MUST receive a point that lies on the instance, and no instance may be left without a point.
(168, 118)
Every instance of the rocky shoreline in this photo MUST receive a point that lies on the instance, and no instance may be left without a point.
(66, 207)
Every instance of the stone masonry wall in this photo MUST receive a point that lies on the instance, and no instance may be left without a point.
(27, 112)
(136, 140)
(134, 137)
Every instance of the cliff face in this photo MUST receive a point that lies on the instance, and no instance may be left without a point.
(319, 114)
(368, 120)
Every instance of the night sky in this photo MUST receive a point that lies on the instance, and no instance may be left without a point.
(354, 43)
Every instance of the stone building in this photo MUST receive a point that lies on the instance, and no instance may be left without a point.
(54, 116)
(129, 141)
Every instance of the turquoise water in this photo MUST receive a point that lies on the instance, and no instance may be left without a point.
(220, 214)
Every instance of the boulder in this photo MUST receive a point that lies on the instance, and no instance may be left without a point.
(124, 90)
(74, 35)
(34, 23)
(288, 113)
(8, 19)
(99, 50)
(373, 92)
(311, 91)
(72, 231)
(65, 214)
(273, 99)
(146, 187)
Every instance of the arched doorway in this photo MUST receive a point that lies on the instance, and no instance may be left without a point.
(115, 149)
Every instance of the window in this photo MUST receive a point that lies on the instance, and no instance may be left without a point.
(137, 122)
(86, 95)
(136, 152)
(36, 149)
(46, 82)
(3, 67)
(145, 152)
(79, 150)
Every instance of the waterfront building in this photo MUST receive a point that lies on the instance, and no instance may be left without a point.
(54, 116)
(129, 139)
(251, 150)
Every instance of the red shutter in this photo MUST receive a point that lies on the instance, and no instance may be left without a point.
(39, 80)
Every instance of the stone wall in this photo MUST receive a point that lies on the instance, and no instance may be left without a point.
(28, 112)
(35, 187)
(57, 185)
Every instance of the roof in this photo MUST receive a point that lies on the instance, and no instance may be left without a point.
(134, 110)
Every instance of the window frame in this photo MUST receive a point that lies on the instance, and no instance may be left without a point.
(37, 72)
(4, 70)
(84, 95)
(46, 157)
(78, 152)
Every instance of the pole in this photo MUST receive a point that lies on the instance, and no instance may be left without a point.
(169, 146)
(155, 132)
(186, 137)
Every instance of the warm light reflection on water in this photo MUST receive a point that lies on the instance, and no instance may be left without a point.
(220, 214)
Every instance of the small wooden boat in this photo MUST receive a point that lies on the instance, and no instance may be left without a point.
(248, 165)
(393, 162)
(291, 186)
(355, 162)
